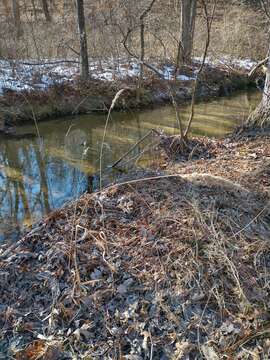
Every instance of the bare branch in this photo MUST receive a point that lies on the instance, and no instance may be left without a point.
(257, 66)
(147, 10)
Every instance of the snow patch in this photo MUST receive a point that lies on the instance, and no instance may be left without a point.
(27, 75)
(169, 74)
(22, 75)
(244, 64)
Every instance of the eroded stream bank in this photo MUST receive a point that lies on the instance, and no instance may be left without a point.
(39, 175)
(70, 97)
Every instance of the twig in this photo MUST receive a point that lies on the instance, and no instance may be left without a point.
(146, 179)
(33, 115)
(75, 51)
(79, 104)
(176, 110)
(134, 146)
(67, 133)
(161, 76)
(152, 346)
(252, 220)
(246, 339)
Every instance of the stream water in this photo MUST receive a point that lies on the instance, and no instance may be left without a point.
(40, 174)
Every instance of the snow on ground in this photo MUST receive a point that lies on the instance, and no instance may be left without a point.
(29, 75)
(243, 64)
(169, 74)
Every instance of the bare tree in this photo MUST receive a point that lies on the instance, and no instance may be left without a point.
(261, 115)
(34, 9)
(17, 17)
(83, 40)
(142, 40)
(46, 12)
(209, 22)
(188, 16)
(6, 7)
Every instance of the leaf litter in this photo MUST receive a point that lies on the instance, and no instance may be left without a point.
(167, 267)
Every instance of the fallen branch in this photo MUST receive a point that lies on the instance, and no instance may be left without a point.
(48, 62)
(257, 66)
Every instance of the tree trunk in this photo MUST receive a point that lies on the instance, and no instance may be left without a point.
(47, 14)
(6, 8)
(188, 15)
(260, 117)
(17, 17)
(142, 39)
(142, 49)
(83, 40)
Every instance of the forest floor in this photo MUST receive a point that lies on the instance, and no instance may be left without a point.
(34, 92)
(172, 266)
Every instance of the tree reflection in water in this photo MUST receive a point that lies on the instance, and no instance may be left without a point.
(32, 182)
(37, 175)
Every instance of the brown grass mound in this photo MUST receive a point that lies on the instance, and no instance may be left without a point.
(166, 268)
(196, 148)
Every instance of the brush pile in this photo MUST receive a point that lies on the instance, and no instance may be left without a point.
(176, 267)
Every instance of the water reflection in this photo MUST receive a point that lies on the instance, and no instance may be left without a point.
(32, 182)
(37, 175)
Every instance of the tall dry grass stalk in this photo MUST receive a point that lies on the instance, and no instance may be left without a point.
(117, 95)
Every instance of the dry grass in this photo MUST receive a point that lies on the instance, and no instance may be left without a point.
(239, 160)
(233, 33)
(169, 268)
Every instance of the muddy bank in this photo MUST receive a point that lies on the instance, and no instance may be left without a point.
(96, 96)
(165, 267)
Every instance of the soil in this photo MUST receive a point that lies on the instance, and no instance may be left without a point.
(170, 266)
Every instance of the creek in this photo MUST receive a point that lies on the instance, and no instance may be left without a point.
(38, 175)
